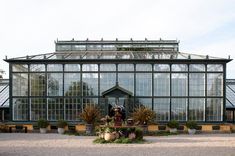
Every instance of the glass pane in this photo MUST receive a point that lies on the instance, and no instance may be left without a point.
(143, 84)
(197, 109)
(107, 81)
(179, 84)
(20, 84)
(90, 84)
(229, 116)
(197, 84)
(143, 67)
(55, 109)
(73, 108)
(178, 109)
(72, 84)
(161, 67)
(213, 109)
(215, 84)
(72, 67)
(38, 108)
(162, 108)
(20, 109)
(90, 101)
(107, 67)
(37, 84)
(55, 84)
(90, 67)
(37, 67)
(196, 67)
(214, 67)
(179, 67)
(54, 67)
(19, 68)
(162, 84)
(147, 102)
(126, 80)
(126, 67)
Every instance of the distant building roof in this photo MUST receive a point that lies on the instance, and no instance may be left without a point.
(230, 93)
(4, 93)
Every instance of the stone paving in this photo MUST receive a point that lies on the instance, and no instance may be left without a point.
(33, 144)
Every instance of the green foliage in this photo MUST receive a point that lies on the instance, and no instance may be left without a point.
(143, 115)
(42, 123)
(62, 124)
(191, 124)
(90, 114)
(173, 124)
(139, 134)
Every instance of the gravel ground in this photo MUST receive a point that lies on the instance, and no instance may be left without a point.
(33, 144)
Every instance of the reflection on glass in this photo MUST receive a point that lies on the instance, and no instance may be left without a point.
(215, 84)
(179, 84)
(72, 108)
(37, 67)
(196, 109)
(20, 84)
(20, 109)
(55, 84)
(37, 84)
(178, 109)
(126, 80)
(143, 67)
(107, 67)
(162, 84)
(90, 84)
(126, 67)
(19, 68)
(162, 108)
(147, 102)
(197, 84)
(213, 109)
(179, 67)
(72, 67)
(54, 67)
(143, 84)
(72, 85)
(214, 67)
(196, 67)
(90, 67)
(161, 67)
(107, 81)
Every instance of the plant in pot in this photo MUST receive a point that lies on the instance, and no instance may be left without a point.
(142, 116)
(90, 115)
(42, 124)
(61, 124)
(173, 125)
(191, 125)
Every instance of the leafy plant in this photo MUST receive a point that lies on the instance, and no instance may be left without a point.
(62, 124)
(90, 114)
(42, 123)
(143, 115)
(191, 124)
(173, 124)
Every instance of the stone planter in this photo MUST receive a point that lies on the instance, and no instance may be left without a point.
(173, 130)
(191, 131)
(89, 129)
(109, 136)
(61, 130)
(43, 130)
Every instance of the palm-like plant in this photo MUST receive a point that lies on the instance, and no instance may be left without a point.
(90, 114)
(143, 115)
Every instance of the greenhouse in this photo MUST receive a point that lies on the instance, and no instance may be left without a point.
(128, 73)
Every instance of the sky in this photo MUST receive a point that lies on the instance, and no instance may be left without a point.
(205, 27)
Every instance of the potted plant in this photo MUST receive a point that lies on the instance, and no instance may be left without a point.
(142, 116)
(90, 115)
(173, 125)
(191, 125)
(109, 134)
(42, 124)
(61, 124)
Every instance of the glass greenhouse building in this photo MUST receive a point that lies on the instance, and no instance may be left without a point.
(129, 73)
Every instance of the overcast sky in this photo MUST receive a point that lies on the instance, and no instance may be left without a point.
(204, 27)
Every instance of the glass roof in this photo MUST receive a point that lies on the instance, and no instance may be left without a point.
(4, 95)
(230, 95)
(115, 55)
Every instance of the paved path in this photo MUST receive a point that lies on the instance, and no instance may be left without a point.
(31, 144)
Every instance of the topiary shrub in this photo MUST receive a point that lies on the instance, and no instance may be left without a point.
(191, 124)
(62, 124)
(42, 123)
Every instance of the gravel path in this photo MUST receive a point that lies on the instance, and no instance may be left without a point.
(33, 144)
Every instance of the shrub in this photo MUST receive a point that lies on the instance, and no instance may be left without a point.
(62, 124)
(191, 124)
(90, 114)
(143, 115)
(42, 123)
(139, 134)
(173, 124)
